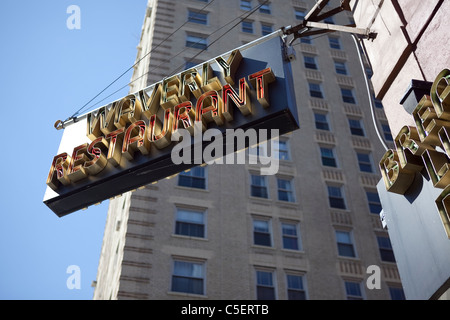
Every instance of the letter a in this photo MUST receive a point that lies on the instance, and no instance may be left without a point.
(74, 20)
(74, 281)
(373, 281)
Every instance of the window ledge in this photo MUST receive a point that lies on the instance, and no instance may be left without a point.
(256, 246)
(293, 205)
(191, 188)
(190, 295)
(263, 200)
(188, 237)
(353, 259)
(292, 251)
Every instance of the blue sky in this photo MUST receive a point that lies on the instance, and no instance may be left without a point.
(47, 72)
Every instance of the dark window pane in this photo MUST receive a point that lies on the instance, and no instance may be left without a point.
(190, 229)
(346, 250)
(262, 239)
(296, 295)
(187, 285)
(265, 293)
(337, 203)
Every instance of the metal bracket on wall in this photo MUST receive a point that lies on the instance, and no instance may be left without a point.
(311, 25)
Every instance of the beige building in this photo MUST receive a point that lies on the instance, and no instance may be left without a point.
(312, 231)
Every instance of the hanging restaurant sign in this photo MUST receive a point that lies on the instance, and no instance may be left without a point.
(427, 145)
(127, 144)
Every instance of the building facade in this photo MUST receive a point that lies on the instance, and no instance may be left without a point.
(311, 231)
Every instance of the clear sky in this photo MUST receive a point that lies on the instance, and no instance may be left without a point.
(47, 72)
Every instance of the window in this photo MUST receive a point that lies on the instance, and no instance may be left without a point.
(387, 132)
(300, 14)
(310, 62)
(356, 127)
(340, 67)
(374, 202)
(265, 8)
(336, 197)
(328, 158)
(329, 20)
(265, 289)
(197, 17)
(321, 121)
(261, 233)
(378, 103)
(189, 65)
(188, 277)
(285, 190)
(307, 40)
(196, 42)
(369, 72)
(335, 43)
(385, 247)
(246, 5)
(365, 164)
(295, 287)
(396, 293)
(347, 96)
(195, 178)
(258, 186)
(266, 29)
(258, 150)
(290, 236)
(353, 290)
(345, 244)
(283, 150)
(190, 223)
(315, 90)
(247, 26)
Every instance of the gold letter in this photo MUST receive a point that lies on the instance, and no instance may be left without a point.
(396, 179)
(163, 139)
(409, 149)
(427, 122)
(230, 66)
(76, 168)
(242, 101)
(440, 94)
(98, 163)
(208, 82)
(101, 121)
(114, 154)
(259, 81)
(150, 104)
(138, 141)
(169, 95)
(128, 111)
(443, 204)
(190, 82)
(211, 110)
(437, 165)
(59, 166)
(185, 113)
